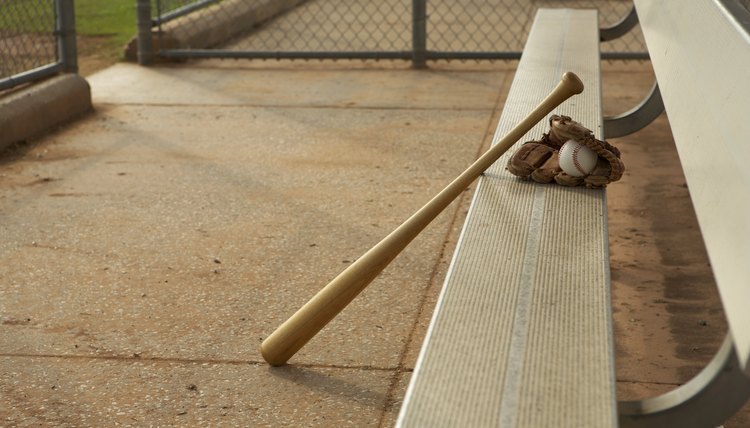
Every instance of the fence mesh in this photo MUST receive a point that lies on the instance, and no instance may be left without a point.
(27, 35)
(386, 25)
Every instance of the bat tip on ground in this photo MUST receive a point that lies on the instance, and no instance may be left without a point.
(271, 357)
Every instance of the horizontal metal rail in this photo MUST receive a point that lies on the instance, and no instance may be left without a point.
(31, 75)
(625, 55)
(403, 55)
(219, 53)
(182, 11)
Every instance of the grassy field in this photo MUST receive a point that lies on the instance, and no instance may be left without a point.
(103, 26)
(113, 20)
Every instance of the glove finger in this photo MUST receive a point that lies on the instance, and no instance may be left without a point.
(568, 180)
(602, 168)
(597, 180)
(547, 172)
(617, 169)
(528, 158)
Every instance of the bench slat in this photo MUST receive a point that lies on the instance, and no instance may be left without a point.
(703, 79)
(522, 334)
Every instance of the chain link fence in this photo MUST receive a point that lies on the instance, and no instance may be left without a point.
(405, 29)
(37, 39)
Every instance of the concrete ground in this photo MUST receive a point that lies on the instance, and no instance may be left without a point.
(148, 248)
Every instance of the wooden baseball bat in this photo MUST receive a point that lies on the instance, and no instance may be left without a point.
(288, 338)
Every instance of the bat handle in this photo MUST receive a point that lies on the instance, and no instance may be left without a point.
(295, 332)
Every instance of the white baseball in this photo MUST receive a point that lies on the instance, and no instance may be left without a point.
(576, 159)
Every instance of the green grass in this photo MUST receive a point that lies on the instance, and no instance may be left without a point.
(112, 22)
(113, 19)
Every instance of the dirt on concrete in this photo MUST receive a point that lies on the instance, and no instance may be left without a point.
(668, 315)
(96, 53)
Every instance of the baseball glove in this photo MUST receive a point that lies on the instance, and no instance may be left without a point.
(539, 160)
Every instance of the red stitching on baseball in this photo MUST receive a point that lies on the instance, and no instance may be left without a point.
(577, 164)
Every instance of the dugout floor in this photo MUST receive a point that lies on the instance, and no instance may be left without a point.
(149, 247)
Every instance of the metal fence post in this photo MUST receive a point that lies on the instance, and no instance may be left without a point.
(66, 35)
(419, 33)
(145, 42)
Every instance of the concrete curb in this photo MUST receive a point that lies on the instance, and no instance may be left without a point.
(213, 25)
(37, 109)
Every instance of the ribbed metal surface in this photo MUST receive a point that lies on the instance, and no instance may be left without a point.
(522, 333)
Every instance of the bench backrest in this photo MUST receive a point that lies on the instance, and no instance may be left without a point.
(700, 51)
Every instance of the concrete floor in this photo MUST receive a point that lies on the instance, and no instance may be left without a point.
(148, 248)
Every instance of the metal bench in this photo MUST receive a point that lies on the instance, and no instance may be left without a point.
(522, 333)
(700, 52)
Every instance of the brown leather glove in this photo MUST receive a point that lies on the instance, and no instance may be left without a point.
(539, 160)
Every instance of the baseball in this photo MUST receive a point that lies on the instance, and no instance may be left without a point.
(576, 159)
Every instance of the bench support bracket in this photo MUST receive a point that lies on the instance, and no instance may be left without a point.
(621, 28)
(637, 118)
(708, 400)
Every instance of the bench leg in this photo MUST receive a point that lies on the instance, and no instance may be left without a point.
(621, 28)
(618, 30)
(708, 400)
(637, 118)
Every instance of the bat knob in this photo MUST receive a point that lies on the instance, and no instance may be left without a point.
(572, 82)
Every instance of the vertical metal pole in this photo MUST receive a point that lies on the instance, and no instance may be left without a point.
(145, 42)
(66, 35)
(419, 33)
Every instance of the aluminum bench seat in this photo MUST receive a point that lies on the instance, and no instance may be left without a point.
(522, 333)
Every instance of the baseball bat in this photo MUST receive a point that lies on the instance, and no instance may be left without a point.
(293, 334)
